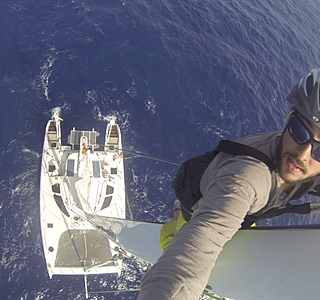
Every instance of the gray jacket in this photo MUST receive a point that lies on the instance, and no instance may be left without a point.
(232, 187)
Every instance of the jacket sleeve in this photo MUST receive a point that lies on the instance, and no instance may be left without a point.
(240, 185)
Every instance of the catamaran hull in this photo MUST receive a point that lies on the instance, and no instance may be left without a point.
(77, 181)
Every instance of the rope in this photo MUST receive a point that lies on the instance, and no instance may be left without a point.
(172, 162)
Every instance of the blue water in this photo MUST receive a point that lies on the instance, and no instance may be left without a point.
(178, 75)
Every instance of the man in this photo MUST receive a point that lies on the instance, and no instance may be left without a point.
(236, 186)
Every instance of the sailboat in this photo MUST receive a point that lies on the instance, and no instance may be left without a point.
(81, 184)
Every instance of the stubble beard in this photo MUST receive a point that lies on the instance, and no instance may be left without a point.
(279, 162)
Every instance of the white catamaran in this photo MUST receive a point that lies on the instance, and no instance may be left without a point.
(80, 184)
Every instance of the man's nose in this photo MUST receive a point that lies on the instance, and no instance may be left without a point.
(304, 151)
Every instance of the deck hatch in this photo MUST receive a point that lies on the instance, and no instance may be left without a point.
(60, 204)
(109, 190)
(106, 203)
(56, 188)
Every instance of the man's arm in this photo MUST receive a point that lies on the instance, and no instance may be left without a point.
(183, 270)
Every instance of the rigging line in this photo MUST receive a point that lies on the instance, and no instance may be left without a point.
(119, 291)
(86, 247)
(172, 162)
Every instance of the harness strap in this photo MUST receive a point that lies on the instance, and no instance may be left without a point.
(304, 189)
(236, 148)
(275, 212)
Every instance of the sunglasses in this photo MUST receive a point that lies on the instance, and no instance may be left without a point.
(302, 135)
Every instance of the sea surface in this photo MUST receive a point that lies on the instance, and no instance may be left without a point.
(178, 75)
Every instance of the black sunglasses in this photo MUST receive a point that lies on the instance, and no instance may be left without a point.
(302, 135)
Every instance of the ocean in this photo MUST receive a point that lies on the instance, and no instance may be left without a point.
(178, 76)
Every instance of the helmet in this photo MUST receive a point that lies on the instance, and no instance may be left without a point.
(305, 96)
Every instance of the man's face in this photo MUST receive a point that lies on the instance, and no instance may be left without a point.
(296, 163)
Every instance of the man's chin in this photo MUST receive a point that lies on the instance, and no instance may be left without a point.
(291, 177)
(290, 180)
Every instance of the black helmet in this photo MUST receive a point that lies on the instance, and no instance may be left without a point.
(305, 96)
